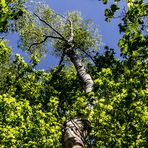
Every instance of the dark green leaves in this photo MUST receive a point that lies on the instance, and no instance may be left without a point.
(109, 13)
(114, 7)
(105, 1)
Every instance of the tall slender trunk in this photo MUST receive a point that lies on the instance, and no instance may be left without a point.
(74, 133)
(85, 77)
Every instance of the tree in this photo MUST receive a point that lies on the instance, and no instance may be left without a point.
(101, 104)
(69, 36)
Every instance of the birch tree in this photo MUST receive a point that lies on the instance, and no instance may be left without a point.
(71, 37)
(78, 103)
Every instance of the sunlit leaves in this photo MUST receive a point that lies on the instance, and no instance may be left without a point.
(25, 125)
(5, 54)
(34, 104)
(120, 111)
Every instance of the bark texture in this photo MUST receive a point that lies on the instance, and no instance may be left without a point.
(85, 77)
(74, 134)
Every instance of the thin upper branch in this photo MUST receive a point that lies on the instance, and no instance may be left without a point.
(62, 17)
(71, 32)
(51, 27)
(71, 26)
(46, 37)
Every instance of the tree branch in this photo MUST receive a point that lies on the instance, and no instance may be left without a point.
(62, 58)
(71, 26)
(89, 56)
(71, 32)
(46, 37)
(51, 27)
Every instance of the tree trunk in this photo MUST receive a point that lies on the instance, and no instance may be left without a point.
(85, 77)
(74, 133)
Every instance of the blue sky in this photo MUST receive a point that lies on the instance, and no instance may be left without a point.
(90, 9)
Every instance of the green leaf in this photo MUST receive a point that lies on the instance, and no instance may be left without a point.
(105, 1)
(114, 7)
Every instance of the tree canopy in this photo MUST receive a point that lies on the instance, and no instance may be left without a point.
(36, 106)
(9, 11)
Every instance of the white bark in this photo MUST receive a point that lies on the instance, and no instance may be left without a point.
(85, 77)
(74, 134)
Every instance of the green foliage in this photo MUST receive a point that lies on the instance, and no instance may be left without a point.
(10, 10)
(5, 53)
(36, 34)
(23, 125)
(132, 25)
(35, 104)
(42, 102)
(120, 114)
(134, 40)
(30, 34)
(28, 113)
